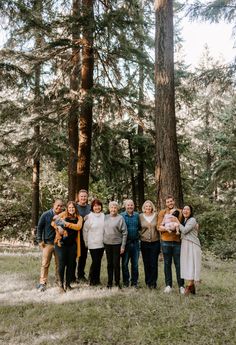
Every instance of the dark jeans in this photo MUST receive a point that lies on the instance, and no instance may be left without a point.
(150, 252)
(95, 268)
(131, 253)
(113, 263)
(66, 256)
(171, 250)
(82, 258)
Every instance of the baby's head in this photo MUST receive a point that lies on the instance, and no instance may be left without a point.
(175, 213)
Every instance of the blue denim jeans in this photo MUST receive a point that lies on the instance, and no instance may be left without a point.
(150, 253)
(171, 250)
(131, 253)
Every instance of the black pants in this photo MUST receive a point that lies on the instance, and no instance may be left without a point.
(113, 263)
(82, 258)
(66, 257)
(95, 268)
(150, 252)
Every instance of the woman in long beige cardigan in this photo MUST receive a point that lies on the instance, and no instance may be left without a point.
(150, 243)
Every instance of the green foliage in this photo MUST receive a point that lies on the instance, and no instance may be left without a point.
(213, 11)
(123, 39)
(217, 221)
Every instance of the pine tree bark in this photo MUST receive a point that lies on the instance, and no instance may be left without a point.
(86, 114)
(133, 185)
(36, 158)
(167, 170)
(74, 108)
(140, 175)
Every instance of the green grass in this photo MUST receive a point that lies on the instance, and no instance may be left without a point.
(125, 317)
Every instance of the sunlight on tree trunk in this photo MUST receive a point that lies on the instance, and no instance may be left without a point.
(85, 122)
(36, 159)
(167, 172)
(74, 109)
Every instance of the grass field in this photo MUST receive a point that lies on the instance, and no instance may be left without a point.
(90, 316)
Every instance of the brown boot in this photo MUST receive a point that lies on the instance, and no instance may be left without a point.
(193, 290)
(190, 289)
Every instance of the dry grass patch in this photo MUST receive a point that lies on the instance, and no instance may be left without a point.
(89, 316)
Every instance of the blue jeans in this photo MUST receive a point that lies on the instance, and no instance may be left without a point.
(171, 250)
(131, 253)
(150, 253)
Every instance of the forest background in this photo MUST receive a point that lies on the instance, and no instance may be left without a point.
(79, 108)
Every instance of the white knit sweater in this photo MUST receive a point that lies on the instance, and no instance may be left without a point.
(93, 230)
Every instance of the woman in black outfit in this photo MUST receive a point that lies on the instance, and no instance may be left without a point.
(66, 249)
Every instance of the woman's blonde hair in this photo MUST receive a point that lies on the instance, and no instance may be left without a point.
(148, 202)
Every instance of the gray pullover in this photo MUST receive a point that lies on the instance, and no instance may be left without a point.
(115, 230)
(189, 231)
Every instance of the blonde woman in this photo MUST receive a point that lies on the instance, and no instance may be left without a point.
(150, 243)
(115, 236)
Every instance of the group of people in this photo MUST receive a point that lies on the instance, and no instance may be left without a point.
(82, 227)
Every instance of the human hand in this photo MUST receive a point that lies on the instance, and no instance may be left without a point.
(42, 245)
(122, 250)
(162, 228)
(60, 230)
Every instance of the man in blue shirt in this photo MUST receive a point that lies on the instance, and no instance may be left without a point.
(45, 237)
(132, 245)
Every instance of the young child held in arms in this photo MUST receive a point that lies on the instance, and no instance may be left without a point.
(170, 222)
(60, 223)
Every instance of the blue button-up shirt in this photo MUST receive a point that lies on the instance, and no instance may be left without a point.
(133, 225)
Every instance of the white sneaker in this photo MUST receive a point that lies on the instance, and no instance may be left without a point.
(41, 287)
(167, 289)
(182, 290)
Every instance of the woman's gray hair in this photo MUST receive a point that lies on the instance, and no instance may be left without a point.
(113, 203)
(148, 202)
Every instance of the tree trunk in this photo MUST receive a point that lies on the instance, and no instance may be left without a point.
(74, 108)
(132, 170)
(85, 122)
(35, 189)
(208, 133)
(167, 170)
(140, 175)
(36, 158)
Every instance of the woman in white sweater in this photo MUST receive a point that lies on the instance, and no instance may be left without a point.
(93, 231)
(190, 255)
